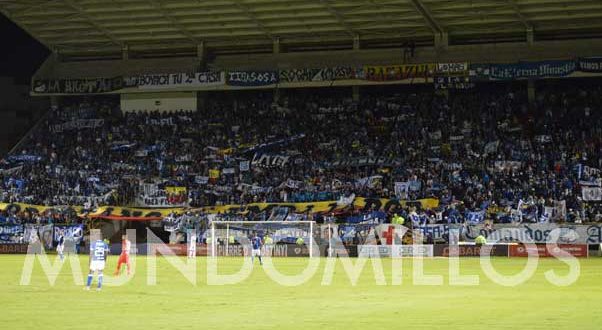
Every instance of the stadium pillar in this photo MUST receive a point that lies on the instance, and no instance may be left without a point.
(56, 55)
(276, 45)
(530, 36)
(531, 90)
(441, 40)
(356, 42)
(125, 52)
(200, 51)
(355, 93)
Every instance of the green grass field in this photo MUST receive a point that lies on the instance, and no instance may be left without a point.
(260, 303)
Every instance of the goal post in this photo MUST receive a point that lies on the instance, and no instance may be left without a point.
(281, 238)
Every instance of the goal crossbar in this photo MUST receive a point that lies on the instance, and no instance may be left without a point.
(234, 222)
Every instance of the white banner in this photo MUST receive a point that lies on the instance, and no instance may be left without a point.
(370, 181)
(501, 165)
(536, 233)
(591, 194)
(267, 160)
(244, 165)
(152, 196)
(401, 190)
(77, 125)
(452, 67)
(177, 80)
(394, 251)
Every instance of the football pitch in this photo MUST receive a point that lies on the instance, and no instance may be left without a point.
(259, 302)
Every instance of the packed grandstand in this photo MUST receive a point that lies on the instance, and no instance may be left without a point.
(483, 154)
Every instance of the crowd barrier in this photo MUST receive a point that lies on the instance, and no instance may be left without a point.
(513, 250)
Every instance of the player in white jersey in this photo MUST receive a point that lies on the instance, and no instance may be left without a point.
(98, 256)
(60, 247)
(191, 243)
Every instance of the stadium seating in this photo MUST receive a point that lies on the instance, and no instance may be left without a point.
(473, 151)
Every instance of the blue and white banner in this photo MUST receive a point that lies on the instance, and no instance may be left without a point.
(11, 234)
(523, 70)
(475, 217)
(24, 158)
(244, 166)
(376, 217)
(401, 190)
(590, 64)
(274, 144)
(591, 183)
(536, 233)
(77, 124)
(73, 233)
(438, 232)
(253, 78)
(591, 194)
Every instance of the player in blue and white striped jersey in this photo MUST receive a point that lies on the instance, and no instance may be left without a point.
(98, 256)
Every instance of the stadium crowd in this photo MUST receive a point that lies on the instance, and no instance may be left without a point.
(484, 154)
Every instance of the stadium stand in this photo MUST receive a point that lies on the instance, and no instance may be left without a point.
(473, 151)
(217, 103)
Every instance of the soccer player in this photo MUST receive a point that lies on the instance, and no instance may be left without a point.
(256, 243)
(60, 247)
(192, 243)
(98, 255)
(124, 257)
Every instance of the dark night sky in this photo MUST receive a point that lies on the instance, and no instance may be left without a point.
(21, 55)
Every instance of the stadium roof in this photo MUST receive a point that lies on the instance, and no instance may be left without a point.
(144, 25)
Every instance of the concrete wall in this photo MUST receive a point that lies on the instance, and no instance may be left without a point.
(163, 102)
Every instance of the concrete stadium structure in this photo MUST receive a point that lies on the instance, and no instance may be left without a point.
(98, 38)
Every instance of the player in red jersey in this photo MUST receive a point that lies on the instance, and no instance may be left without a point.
(124, 257)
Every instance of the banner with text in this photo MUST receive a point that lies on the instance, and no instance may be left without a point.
(253, 78)
(398, 72)
(590, 64)
(176, 80)
(317, 74)
(525, 70)
(77, 86)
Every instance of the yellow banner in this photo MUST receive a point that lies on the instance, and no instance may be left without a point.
(398, 72)
(175, 190)
(128, 213)
(213, 174)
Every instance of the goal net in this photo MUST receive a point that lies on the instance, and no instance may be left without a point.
(279, 238)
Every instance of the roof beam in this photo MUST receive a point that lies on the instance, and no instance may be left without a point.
(428, 17)
(157, 4)
(339, 18)
(39, 5)
(526, 23)
(91, 21)
(253, 18)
